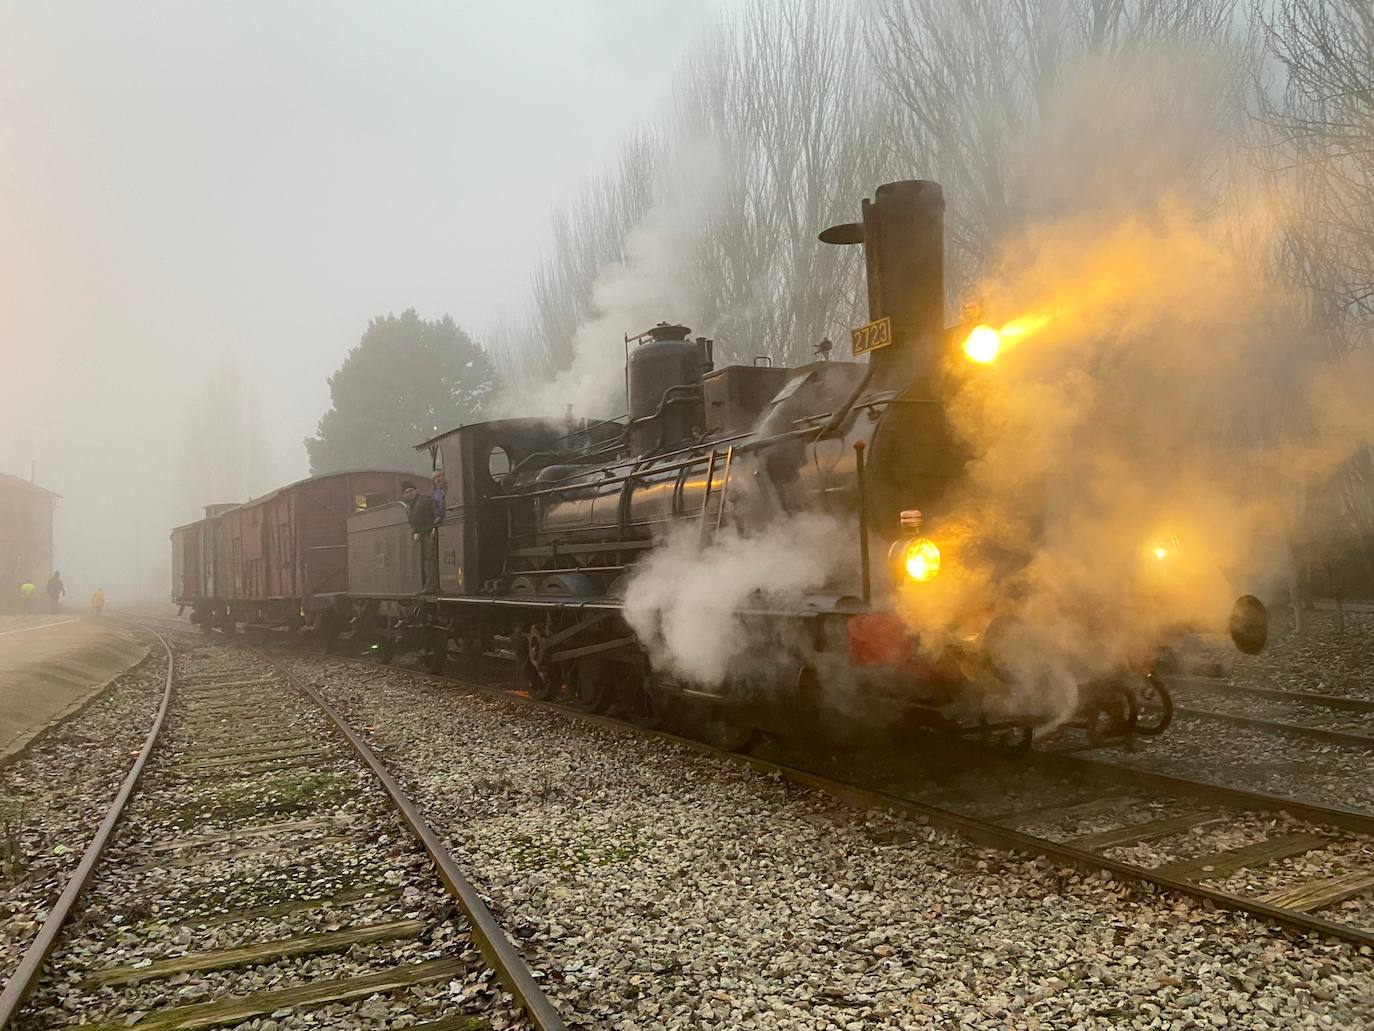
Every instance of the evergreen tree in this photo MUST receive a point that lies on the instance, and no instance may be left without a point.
(407, 380)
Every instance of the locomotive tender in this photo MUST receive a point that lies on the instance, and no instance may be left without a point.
(546, 524)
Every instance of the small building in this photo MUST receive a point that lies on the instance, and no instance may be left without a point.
(26, 512)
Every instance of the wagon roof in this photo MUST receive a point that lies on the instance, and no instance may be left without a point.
(521, 421)
(327, 476)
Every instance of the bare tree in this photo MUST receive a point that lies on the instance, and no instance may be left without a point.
(782, 100)
(978, 83)
(224, 452)
(1320, 161)
(588, 235)
(775, 131)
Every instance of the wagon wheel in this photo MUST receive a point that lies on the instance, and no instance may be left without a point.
(328, 637)
(1111, 716)
(437, 657)
(385, 648)
(470, 643)
(592, 689)
(541, 680)
(1156, 707)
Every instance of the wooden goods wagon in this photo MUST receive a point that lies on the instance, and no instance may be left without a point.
(289, 548)
(188, 563)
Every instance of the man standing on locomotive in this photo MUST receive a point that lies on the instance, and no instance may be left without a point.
(423, 519)
(440, 498)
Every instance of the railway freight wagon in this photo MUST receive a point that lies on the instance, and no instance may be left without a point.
(287, 550)
(200, 566)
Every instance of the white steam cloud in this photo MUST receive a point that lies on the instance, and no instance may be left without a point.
(655, 282)
(683, 601)
(1160, 404)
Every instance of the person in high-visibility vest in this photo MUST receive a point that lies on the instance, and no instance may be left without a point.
(98, 601)
(26, 592)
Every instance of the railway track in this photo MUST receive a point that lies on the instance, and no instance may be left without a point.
(1304, 866)
(1334, 719)
(1196, 839)
(257, 861)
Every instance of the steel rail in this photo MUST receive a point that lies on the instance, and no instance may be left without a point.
(1357, 820)
(499, 950)
(25, 977)
(1327, 701)
(1336, 737)
(992, 834)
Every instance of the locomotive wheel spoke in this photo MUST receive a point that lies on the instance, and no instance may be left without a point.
(1156, 707)
(591, 689)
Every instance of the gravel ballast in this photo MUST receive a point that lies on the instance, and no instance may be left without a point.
(228, 845)
(658, 887)
(55, 795)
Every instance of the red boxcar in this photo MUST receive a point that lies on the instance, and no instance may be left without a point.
(290, 547)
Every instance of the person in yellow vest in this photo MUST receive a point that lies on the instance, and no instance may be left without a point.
(98, 601)
(26, 592)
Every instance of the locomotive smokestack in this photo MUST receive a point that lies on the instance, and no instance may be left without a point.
(903, 233)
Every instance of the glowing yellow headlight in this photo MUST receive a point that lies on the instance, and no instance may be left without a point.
(921, 560)
(1165, 548)
(983, 344)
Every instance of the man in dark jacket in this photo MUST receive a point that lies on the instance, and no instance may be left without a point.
(423, 513)
(56, 588)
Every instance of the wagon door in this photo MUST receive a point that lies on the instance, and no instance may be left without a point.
(323, 537)
(254, 554)
(280, 563)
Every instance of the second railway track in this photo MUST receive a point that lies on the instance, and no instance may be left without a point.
(253, 867)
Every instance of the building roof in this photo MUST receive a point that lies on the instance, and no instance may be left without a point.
(19, 483)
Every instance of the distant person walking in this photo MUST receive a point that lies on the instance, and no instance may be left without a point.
(98, 601)
(423, 515)
(56, 588)
(26, 592)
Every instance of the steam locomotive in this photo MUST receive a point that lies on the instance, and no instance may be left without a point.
(548, 526)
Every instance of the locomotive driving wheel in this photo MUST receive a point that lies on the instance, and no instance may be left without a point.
(1156, 706)
(721, 730)
(592, 689)
(541, 679)
(642, 700)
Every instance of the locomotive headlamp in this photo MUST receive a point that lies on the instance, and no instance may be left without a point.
(1166, 547)
(921, 559)
(917, 557)
(983, 344)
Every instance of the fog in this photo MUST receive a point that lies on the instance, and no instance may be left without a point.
(196, 194)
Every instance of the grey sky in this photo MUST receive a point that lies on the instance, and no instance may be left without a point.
(182, 180)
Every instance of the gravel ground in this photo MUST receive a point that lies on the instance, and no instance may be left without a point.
(1256, 760)
(1322, 659)
(196, 844)
(53, 797)
(663, 888)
